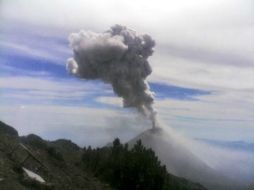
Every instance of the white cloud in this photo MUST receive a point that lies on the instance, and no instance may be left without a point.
(193, 73)
(114, 101)
(45, 90)
(32, 44)
(75, 123)
(30, 51)
(224, 115)
(43, 83)
(211, 33)
(221, 29)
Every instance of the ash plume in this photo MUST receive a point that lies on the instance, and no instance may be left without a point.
(118, 57)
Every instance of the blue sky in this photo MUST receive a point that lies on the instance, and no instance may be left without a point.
(203, 70)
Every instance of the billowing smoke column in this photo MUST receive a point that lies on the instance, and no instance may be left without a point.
(119, 57)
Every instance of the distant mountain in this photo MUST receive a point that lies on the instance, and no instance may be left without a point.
(29, 162)
(182, 162)
(134, 168)
(233, 145)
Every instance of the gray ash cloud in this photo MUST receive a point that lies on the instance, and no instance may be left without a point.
(119, 57)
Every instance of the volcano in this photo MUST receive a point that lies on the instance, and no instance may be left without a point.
(180, 161)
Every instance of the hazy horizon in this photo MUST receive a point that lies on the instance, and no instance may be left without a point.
(203, 69)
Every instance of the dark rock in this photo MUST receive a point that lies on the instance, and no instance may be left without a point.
(6, 129)
(34, 141)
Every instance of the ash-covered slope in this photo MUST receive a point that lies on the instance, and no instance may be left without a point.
(180, 161)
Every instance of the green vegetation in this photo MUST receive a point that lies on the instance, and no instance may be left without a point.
(57, 164)
(64, 165)
(137, 168)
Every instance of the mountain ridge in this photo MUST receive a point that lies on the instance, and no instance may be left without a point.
(182, 162)
(58, 162)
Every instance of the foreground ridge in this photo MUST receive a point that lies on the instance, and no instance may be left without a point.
(31, 162)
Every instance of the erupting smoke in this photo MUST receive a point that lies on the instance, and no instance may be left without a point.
(119, 57)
